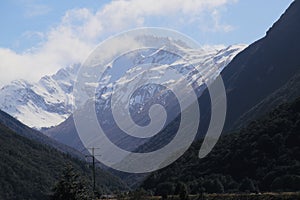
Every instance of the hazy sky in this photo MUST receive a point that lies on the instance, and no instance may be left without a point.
(38, 37)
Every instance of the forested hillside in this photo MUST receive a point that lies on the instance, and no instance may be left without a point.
(264, 156)
(29, 170)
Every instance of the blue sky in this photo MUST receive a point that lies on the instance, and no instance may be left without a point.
(42, 36)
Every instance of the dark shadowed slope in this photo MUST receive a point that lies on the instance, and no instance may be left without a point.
(264, 67)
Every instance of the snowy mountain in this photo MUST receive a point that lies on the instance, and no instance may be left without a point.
(49, 101)
(142, 99)
(203, 66)
(43, 104)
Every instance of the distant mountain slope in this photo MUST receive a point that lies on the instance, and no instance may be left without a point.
(66, 133)
(28, 169)
(264, 156)
(264, 66)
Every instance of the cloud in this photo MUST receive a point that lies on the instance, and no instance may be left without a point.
(81, 29)
(32, 65)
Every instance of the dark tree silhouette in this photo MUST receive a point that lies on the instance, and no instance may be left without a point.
(71, 186)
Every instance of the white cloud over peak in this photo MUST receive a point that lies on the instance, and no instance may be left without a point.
(81, 29)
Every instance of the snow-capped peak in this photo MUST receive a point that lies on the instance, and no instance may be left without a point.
(43, 104)
(49, 101)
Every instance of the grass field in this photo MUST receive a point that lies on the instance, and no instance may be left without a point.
(265, 196)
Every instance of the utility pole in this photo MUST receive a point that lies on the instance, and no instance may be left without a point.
(94, 174)
(94, 166)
